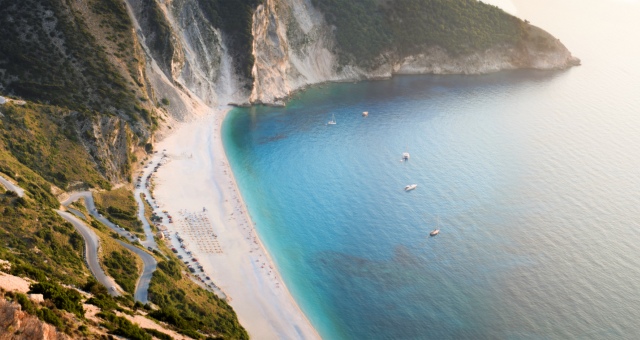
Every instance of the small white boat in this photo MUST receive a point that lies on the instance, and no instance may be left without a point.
(332, 121)
(405, 156)
(435, 231)
(410, 187)
(365, 114)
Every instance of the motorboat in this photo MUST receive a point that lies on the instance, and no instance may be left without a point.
(436, 231)
(410, 187)
(365, 114)
(405, 156)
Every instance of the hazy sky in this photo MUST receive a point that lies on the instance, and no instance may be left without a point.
(506, 5)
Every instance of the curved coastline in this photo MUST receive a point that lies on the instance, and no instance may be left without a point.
(198, 180)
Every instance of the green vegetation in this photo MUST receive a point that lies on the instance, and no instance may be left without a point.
(120, 326)
(63, 298)
(119, 207)
(189, 308)
(101, 297)
(158, 334)
(367, 28)
(122, 267)
(27, 305)
(70, 76)
(42, 137)
(362, 33)
(51, 314)
(38, 242)
(82, 58)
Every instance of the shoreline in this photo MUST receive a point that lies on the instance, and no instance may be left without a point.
(198, 188)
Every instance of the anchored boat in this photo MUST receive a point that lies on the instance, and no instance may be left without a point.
(435, 231)
(332, 121)
(410, 187)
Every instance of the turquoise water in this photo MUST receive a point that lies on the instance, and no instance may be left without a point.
(534, 176)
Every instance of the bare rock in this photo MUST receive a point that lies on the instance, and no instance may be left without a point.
(16, 325)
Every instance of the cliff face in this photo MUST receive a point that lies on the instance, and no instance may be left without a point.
(189, 64)
(16, 324)
(293, 47)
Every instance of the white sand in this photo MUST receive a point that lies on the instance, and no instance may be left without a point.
(197, 175)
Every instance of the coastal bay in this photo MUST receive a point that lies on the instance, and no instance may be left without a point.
(532, 175)
(518, 166)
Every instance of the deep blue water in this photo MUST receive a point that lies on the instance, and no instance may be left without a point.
(534, 176)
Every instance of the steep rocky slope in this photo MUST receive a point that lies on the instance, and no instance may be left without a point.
(293, 46)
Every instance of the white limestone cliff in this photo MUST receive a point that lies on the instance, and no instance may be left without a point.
(294, 47)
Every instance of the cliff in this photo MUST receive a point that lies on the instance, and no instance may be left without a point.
(16, 324)
(294, 45)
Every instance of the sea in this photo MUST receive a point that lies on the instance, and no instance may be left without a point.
(532, 177)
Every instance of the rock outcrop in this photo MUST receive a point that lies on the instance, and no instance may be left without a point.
(16, 324)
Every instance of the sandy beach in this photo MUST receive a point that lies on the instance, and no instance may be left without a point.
(196, 187)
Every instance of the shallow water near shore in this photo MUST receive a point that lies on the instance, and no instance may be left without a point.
(534, 177)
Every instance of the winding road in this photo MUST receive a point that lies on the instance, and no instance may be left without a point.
(92, 243)
(91, 207)
(143, 188)
(148, 267)
(149, 263)
(10, 186)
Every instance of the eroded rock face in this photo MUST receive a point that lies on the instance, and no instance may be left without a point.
(16, 324)
(293, 47)
(107, 139)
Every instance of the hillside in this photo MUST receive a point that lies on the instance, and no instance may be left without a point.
(366, 29)
(40, 156)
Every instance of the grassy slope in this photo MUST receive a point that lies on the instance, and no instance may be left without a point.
(121, 265)
(51, 54)
(367, 28)
(119, 207)
(32, 236)
(190, 308)
(40, 137)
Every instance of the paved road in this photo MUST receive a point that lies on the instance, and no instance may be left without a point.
(148, 267)
(143, 188)
(77, 213)
(92, 243)
(149, 263)
(10, 186)
(91, 207)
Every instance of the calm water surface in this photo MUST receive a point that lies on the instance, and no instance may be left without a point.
(534, 176)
